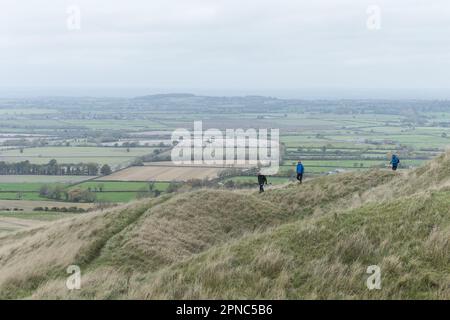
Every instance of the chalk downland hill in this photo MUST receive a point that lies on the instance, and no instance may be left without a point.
(313, 241)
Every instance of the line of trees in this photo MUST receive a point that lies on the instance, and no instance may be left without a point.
(59, 192)
(25, 142)
(53, 168)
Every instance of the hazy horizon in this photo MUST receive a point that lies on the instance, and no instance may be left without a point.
(287, 48)
(305, 94)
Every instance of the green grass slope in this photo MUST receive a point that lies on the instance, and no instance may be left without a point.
(307, 241)
(324, 258)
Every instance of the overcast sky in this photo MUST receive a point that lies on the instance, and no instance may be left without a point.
(222, 46)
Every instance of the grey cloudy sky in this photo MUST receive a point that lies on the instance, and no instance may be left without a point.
(249, 46)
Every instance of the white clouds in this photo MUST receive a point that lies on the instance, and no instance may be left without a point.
(225, 43)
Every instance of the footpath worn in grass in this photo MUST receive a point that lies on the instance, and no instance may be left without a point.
(307, 241)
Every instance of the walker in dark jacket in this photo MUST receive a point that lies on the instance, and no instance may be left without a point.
(262, 180)
(395, 161)
(300, 171)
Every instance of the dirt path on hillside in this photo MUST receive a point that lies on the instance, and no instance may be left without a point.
(8, 224)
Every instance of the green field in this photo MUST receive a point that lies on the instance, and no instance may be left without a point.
(24, 187)
(116, 196)
(23, 191)
(40, 179)
(101, 155)
(110, 191)
(328, 136)
(21, 196)
(119, 191)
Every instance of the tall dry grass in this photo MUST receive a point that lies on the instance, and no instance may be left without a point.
(310, 241)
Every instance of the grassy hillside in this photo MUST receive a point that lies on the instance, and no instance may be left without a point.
(314, 240)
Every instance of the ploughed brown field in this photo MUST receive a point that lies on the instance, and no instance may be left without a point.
(163, 173)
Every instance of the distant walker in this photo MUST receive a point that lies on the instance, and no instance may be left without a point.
(262, 180)
(395, 161)
(300, 171)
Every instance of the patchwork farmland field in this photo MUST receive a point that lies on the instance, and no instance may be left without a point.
(39, 179)
(102, 155)
(163, 173)
(328, 136)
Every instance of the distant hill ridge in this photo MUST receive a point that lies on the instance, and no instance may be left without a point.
(169, 96)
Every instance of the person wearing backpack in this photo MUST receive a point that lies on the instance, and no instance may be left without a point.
(262, 180)
(395, 161)
(300, 171)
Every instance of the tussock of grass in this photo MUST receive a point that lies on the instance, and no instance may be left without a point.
(30, 258)
(323, 258)
(307, 241)
(189, 224)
